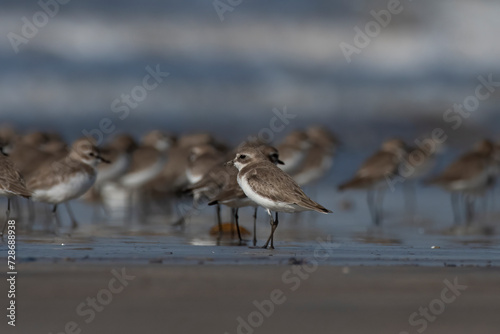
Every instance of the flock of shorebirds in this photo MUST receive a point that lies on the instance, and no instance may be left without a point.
(162, 167)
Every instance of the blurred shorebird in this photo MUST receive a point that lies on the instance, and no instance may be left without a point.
(70, 177)
(421, 159)
(119, 153)
(148, 160)
(375, 173)
(319, 156)
(11, 183)
(469, 177)
(293, 151)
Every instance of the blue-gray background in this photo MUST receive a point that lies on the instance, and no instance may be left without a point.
(227, 76)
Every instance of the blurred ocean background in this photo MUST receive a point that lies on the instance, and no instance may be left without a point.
(227, 76)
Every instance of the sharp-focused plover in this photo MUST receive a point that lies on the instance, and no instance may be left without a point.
(293, 151)
(229, 192)
(11, 183)
(470, 175)
(319, 157)
(68, 178)
(268, 186)
(375, 173)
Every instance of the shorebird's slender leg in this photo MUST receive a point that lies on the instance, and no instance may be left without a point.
(236, 219)
(455, 203)
(56, 218)
(130, 208)
(370, 197)
(74, 223)
(272, 224)
(7, 216)
(275, 226)
(255, 226)
(233, 222)
(470, 208)
(31, 214)
(379, 207)
(219, 223)
(17, 208)
(410, 190)
(96, 216)
(143, 207)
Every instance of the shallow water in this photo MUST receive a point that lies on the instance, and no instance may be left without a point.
(344, 238)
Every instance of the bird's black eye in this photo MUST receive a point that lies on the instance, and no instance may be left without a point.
(243, 156)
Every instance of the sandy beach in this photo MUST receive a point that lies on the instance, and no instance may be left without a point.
(219, 299)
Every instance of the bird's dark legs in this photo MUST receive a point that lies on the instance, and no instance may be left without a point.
(236, 219)
(255, 226)
(31, 215)
(380, 207)
(274, 225)
(130, 208)
(56, 219)
(455, 206)
(370, 199)
(233, 222)
(7, 216)
(469, 209)
(410, 190)
(219, 223)
(74, 223)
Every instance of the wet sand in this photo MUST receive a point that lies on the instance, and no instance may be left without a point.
(210, 298)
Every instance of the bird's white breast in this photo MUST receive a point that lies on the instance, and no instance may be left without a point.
(266, 202)
(74, 187)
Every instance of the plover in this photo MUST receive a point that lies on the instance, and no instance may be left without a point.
(173, 176)
(119, 152)
(168, 186)
(11, 183)
(104, 193)
(319, 157)
(68, 178)
(420, 161)
(229, 192)
(26, 153)
(148, 161)
(268, 186)
(201, 159)
(293, 151)
(469, 177)
(375, 173)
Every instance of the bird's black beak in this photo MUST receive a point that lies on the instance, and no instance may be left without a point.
(2, 151)
(280, 162)
(101, 159)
